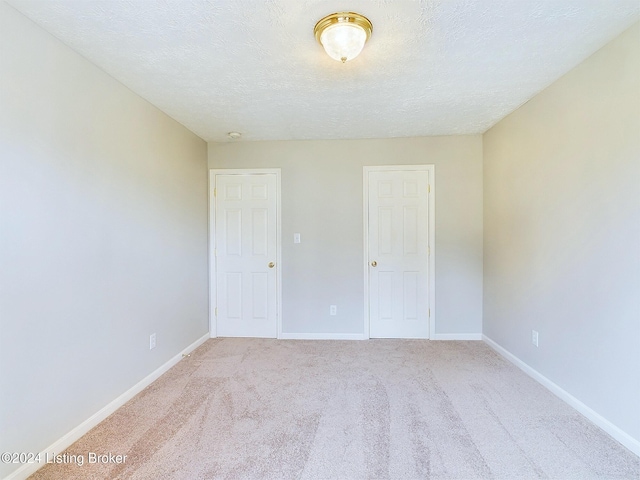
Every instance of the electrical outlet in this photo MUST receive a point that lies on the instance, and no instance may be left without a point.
(333, 310)
(152, 341)
(534, 337)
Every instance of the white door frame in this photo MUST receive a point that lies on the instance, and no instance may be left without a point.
(212, 243)
(431, 246)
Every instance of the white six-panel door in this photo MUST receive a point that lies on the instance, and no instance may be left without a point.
(245, 254)
(397, 243)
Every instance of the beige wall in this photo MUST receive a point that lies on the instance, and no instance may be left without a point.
(562, 232)
(103, 219)
(322, 200)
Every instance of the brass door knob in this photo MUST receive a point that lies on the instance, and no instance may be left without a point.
(271, 264)
(374, 264)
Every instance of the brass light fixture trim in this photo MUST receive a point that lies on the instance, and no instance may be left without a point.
(343, 18)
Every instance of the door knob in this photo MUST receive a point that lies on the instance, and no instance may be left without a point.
(271, 264)
(374, 264)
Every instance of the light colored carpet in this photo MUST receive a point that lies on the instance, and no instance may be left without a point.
(400, 409)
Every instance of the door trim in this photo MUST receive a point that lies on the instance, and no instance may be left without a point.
(213, 331)
(431, 240)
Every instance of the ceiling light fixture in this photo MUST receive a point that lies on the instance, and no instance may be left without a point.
(343, 34)
(234, 135)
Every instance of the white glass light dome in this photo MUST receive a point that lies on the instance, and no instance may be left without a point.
(343, 41)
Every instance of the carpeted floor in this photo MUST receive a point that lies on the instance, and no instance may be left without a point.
(401, 409)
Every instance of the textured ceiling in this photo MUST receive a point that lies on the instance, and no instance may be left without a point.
(437, 67)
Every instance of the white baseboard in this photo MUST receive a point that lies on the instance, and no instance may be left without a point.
(620, 435)
(360, 336)
(63, 443)
(321, 336)
(457, 336)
